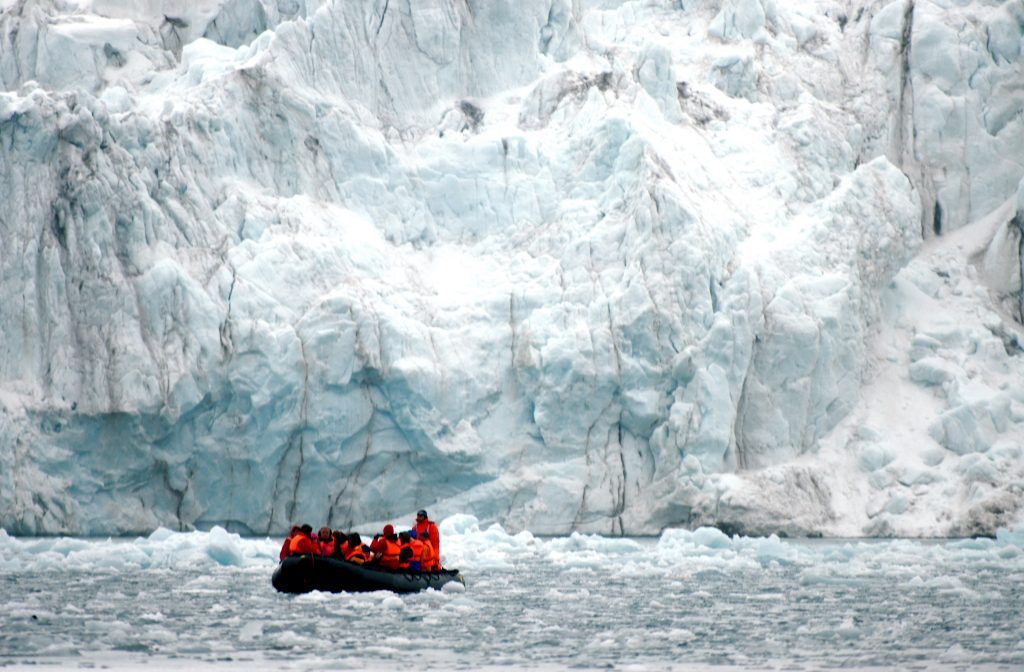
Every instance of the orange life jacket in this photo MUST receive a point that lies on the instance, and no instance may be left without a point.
(326, 547)
(303, 545)
(427, 531)
(356, 555)
(428, 558)
(405, 556)
(389, 554)
(416, 562)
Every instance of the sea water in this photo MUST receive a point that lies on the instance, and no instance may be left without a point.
(686, 600)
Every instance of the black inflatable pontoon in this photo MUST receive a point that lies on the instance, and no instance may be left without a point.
(303, 573)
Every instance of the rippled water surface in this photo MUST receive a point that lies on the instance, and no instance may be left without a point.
(687, 600)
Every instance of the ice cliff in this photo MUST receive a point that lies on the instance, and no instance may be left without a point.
(567, 265)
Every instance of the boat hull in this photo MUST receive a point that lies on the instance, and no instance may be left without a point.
(305, 573)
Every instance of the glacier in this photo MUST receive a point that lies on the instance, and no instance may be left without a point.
(598, 266)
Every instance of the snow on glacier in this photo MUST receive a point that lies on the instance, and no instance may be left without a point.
(598, 266)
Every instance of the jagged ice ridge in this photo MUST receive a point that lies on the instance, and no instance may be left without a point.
(590, 265)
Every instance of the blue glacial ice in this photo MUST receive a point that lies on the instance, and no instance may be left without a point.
(596, 267)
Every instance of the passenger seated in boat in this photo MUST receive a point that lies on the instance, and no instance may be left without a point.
(377, 545)
(355, 550)
(416, 564)
(387, 557)
(325, 539)
(407, 558)
(340, 541)
(428, 557)
(286, 546)
(302, 543)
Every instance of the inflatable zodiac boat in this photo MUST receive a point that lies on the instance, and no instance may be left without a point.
(303, 573)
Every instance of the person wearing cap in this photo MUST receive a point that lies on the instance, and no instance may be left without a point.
(387, 556)
(425, 529)
(377, 545)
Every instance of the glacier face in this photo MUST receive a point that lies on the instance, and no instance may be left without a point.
(604, 266)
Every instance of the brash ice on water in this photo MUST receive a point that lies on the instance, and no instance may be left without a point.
(684, 600)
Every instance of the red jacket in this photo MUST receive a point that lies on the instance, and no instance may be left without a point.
(428, 528)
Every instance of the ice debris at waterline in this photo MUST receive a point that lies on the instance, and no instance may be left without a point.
(160, 550)
(594, 266)
(469, 545)
(687, 599)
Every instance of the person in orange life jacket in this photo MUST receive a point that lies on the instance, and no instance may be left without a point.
(428, 557)
(416, 545)
(288, 542)
(407, 559)
(387, 557)
(428, 560)
(355, 550)
(340, 539)
(377, 545)
(426, 529)
(302, 544)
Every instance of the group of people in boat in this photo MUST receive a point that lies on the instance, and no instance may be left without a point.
(416, 550)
